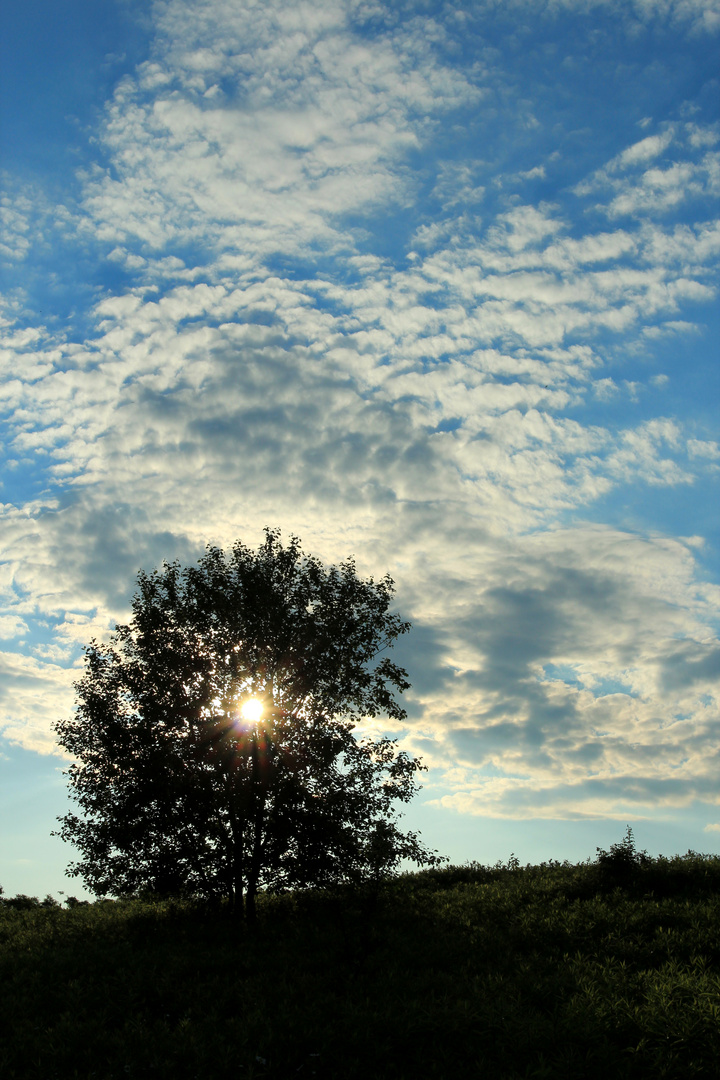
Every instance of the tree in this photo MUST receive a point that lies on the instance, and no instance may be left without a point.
(186, 786)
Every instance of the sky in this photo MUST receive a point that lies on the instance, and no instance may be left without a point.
(430, 284)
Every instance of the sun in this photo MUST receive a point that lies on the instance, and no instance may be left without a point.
(251, 710)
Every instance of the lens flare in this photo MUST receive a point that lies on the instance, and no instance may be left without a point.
(251, 710)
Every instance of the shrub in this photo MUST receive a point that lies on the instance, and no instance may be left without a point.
(619, 864)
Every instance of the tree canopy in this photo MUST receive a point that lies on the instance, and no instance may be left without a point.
(182, 789)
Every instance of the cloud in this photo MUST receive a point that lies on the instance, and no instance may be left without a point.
(524, 226)
(11, 626)
(641, 152)
(34, 694)
(670, 329)
(455, 185)
(702, 136)
(315, 328)
(318, 124)
(29, 221)
(701, 16)
(15, 223)
(536, 173)
(660, 190)
(657, 190)
(699, 448)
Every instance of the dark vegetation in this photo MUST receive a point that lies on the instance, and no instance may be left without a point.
(603, 969)
(181, 790)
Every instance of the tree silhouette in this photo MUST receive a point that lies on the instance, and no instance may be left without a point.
(182, 790)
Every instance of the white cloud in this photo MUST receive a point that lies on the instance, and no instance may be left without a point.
(524, 226)
(670, 329)
(319, 124)
(15, 216)
(606, 389)
(640, 451)
(702, 136)
(455, 185)
(703, 448)
(643, 151)
(536, 173)
(34, 694)
(660, 190)
(28, 219)
(11, 626)
(640, 191)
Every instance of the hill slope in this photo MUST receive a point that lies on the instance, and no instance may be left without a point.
(552, 971)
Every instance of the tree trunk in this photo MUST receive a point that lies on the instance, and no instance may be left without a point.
(255, 860)
(237, 869)
(237, 902)
(253, 876)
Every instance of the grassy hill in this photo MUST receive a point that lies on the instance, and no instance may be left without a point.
(605, 970)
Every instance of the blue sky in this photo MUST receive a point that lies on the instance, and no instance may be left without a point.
(430, 284)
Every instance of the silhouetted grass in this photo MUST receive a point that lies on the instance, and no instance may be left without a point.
(546, 971)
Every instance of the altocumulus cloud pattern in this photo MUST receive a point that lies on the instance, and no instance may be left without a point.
(431, 284)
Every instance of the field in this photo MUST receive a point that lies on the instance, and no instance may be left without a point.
(606, 970)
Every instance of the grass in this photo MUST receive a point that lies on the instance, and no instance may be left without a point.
(598, 970)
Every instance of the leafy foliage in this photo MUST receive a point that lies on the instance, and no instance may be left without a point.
(21, 902)
(620, 862)
(503, 971)
(178, 795)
